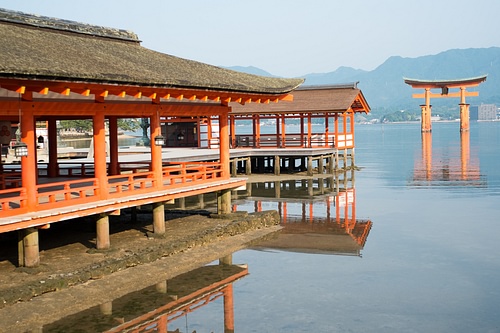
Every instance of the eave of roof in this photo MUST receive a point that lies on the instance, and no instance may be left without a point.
(28, 53)
(313, 99)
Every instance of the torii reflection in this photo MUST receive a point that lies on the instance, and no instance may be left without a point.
(163, 307)
(447, 165)
(317, 215)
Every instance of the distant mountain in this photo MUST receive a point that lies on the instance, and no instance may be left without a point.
(341, 75)
(384, 87)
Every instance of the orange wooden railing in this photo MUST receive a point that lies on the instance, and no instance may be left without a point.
(13, 201)
(62, 194)
(86, 190)
(133, 182)
(290, 141)
(184, 172)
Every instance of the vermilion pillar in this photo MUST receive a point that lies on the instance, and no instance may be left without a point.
(464, 111)
(309, 130)
(224, 144)
(256, 131)
(53, 168)
(336, 130)
(327, 131)
(302, 144)
(426, 112)
(232, 130)
(157, 168)
(464, 117)
(113, 146)
(102, 220)
(224, 196)
(283, 131)
(156, 154)
(28, 163)
(100, 154)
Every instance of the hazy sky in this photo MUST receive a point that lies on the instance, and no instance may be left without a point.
(289, 37)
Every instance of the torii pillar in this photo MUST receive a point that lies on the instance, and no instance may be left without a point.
(464, 111)
(445, 86)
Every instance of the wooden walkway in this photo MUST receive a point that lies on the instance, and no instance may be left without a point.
(186, 172)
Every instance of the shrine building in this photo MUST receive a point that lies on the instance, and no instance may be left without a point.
(52, 70)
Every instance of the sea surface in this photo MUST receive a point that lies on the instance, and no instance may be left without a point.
(409, 242)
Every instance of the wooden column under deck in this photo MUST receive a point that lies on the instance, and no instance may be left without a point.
(102, 232)
(224, 202)
(227, 260)
(28, 250)
(158, 218)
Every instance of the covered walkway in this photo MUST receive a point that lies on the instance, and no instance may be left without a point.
(105, 75)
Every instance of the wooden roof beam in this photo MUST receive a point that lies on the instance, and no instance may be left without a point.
(454, 94)
(100, 97)
(287, 97)
(64, 91)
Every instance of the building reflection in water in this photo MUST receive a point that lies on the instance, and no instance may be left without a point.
(447, 166)
(163, 307)
(317, 215)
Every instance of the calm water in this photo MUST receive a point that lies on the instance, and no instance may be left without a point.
(429, 263)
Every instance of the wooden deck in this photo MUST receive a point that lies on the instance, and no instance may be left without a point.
(186, 172)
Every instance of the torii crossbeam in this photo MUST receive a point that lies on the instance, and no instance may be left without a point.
(445, 86)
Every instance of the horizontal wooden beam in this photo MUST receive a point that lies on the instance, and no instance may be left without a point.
(119, 109)
(449, 95)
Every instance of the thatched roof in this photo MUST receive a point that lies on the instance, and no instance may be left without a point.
(313, 99)
(37, 47)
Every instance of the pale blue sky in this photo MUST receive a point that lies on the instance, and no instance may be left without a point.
(289, 37)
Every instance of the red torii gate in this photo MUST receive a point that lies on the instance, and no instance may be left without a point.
(445, 86)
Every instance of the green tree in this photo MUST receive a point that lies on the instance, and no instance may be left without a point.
(80, 125)
(85, 125)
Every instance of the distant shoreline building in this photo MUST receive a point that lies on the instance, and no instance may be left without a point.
(484, 112)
